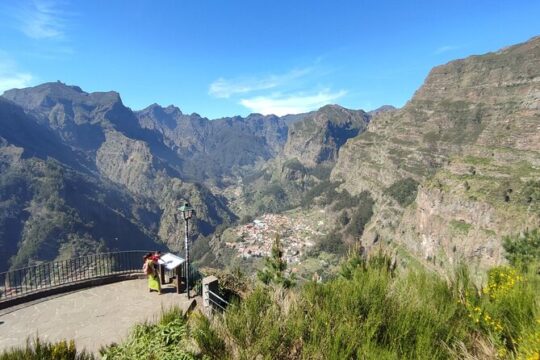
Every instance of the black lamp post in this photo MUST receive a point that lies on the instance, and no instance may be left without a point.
(187, 213)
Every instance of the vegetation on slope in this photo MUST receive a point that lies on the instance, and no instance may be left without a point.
(403, 191)
(371, 310)
(40, 350)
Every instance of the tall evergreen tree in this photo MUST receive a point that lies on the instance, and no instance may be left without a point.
(275, 268)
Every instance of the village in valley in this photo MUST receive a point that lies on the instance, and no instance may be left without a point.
(297, 235)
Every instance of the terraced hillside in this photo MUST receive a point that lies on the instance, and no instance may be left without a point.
(470, 137)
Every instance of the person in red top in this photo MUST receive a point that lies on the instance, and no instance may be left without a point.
(150, 269)
(155, 256)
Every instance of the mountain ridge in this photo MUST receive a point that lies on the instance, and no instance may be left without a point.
(467, 143)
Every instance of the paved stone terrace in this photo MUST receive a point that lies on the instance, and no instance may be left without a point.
(92, 317)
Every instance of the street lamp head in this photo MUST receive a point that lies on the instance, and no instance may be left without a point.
(187, 211)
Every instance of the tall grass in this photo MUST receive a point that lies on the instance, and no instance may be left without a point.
(41, 350)
(373, 312)
(369, 311)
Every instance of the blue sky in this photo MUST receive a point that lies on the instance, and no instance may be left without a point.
(223, 58)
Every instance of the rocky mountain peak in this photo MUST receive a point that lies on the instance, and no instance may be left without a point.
(317, 137)
(43, 97)
(78, 117)
(155, 116)
(382, 109)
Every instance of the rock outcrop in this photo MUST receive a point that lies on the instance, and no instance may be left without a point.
(318, 137)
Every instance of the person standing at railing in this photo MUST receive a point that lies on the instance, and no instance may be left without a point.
(150, 269)
(161, 270)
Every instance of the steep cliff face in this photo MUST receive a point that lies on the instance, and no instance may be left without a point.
(216, 147)
(127, 162)
(467, 206)
(318, 137)
(470, 136)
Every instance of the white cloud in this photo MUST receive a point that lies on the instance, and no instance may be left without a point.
(225, 88)
(11, 77)
(446, 48)
(280, 104)
(14, 81)
(42, 19)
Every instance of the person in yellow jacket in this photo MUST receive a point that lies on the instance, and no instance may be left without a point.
(150, 269)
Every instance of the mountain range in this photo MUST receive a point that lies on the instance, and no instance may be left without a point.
(442, 179)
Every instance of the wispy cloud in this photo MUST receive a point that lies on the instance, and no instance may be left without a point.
(283, 104)
(11, 77)
(446, 48)
(225, 88)
(42, 19)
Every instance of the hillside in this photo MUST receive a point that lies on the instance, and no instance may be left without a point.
(113, 175)
(470, 138)
(80, 175)
(444, 178)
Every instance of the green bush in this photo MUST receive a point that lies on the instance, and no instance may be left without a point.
(165, 340)
(39, 350)
(332, 243)
(275, 268)
(207, 338)
(360, 217)
(258, 325)
(403, 191)
(531, 193)
(373, 311)
(523, 250)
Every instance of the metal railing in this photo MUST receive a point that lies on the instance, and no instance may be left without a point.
(217, 300)
(33, 279)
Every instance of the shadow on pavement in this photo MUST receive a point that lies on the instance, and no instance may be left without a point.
(168, 290)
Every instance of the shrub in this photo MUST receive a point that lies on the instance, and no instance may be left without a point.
(165, 340)
(403, 191)
(39, 350)
(531, 192)
(372, 311)
(506, 310)
(332, 243)
(209, 342)
(275, 266)
(523, 250)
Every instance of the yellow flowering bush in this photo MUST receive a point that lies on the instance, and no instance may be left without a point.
(501, 280)
(504, 309)
(529, 343)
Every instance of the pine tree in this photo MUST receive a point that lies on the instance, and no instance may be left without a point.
(275, 267)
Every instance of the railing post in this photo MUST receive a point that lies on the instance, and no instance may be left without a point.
(209, 283)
